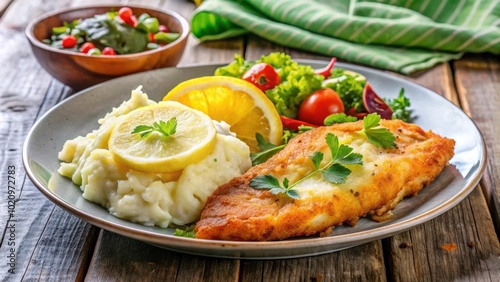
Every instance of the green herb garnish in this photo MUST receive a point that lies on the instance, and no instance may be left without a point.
(349, 87)
(378, 136)
(339, 118)
(334, 171)
(267, 150)
(187, 232)
(165, 128)
(400, 106)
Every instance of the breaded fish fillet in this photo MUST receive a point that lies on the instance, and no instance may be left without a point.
(236, 211)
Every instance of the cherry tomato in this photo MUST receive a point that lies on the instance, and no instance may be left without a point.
(86, 47)
(132, 21)
(125, 13)
(320, 104)
(263, 76)
(163, 28)
(68, 41)
(108, 51)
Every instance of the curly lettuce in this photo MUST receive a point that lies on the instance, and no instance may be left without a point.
(236, 68)
(297, 81)
(349, 87)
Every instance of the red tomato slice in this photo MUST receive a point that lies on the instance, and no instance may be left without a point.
(108, 51)
(320, 104)
(86, 47)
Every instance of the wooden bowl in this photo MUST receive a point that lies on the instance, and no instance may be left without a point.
(79, 70)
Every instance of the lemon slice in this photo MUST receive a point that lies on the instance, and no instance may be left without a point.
(192, 141)
(237, 102)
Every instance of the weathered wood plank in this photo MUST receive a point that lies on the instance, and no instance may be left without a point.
(118, 258)
(478, 85)
(22, 92)
(64, 249)
(418, 254)
(361, 263)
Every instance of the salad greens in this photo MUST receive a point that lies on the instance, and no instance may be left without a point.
(349, 86)
(112, 30)
(104, 30)
(297, 81)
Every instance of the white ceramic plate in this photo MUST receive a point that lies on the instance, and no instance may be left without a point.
(78, 115)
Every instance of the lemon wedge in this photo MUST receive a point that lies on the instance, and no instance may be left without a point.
(193, 140)
(237, 102)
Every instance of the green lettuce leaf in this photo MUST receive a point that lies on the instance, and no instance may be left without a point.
(297, 81)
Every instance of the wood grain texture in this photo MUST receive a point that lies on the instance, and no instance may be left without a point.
(361, 263)
(118, 258)
(478, 85)
(23, 94)
(417, 255)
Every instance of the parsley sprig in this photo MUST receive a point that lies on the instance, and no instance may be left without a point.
(334, 171)
(400, 106)
(378, 136)
(165, 128)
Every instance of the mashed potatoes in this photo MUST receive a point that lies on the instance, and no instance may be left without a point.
(161, 199)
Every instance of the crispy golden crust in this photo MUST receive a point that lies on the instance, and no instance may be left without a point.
(235, 211)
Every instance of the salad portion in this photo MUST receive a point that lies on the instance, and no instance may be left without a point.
(112, 33)
(306, 97)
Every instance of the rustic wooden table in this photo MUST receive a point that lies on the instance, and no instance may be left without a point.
(46, 243)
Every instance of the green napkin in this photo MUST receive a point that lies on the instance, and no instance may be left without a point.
(398, 35)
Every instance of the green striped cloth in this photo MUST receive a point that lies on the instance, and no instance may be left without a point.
(398, 35)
